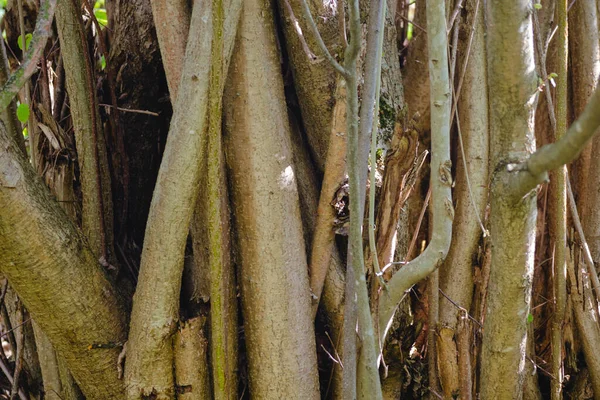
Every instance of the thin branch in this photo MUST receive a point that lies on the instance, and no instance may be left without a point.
(43, 30)
(549, 157)
(441, 178)
(454, 15)
(584, 244)
(311, 22)
(414, 24)
(19, 354)
(9, 376)
(311, 56)
(130, 110)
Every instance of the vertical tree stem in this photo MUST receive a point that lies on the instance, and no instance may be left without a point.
(560, 200)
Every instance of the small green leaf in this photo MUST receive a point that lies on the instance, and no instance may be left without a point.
(553, 75)
(529, 318)
(102, 62)
(23, 112)
(537, 6)
(25, 133)
(28, 38)
(101, 16)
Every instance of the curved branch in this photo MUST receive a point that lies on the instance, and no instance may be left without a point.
(313, 26)
(441, 178)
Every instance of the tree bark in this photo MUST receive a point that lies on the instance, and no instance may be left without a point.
(97, 218)
(273, 275)
(512, 220)
(65, 277)
(456, 276)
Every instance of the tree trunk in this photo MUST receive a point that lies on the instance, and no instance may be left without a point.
(512, 221)
(273, 275)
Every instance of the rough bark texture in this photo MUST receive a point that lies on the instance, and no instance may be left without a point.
(441, 177)
(274, 279)
(192, 374)
(64, 288)
(512, 79)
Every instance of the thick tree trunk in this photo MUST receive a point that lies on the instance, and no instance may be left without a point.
(274, 278)
(88, 319)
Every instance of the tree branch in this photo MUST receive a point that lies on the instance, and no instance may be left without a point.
(535, 170)
(43, 30)
(311, 22)
(441, 177)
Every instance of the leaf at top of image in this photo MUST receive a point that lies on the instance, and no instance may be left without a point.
(23, 112)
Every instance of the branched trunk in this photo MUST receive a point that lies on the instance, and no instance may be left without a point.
(149, 368)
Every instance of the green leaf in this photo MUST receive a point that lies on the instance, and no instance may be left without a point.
(529, 318)
(101, 16)
(23, 112)
(25, 133)
(28, 38)
(553, 75)
(537, 6)
(102, 63)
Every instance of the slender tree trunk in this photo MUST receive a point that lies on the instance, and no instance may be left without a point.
(510, 66)
(273, 276)
(456, 277)
(97, 217)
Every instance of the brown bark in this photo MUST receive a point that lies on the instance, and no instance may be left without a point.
(192, 374)
(97, 217)
(273, 276)
(314, 80)
(456, 277)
